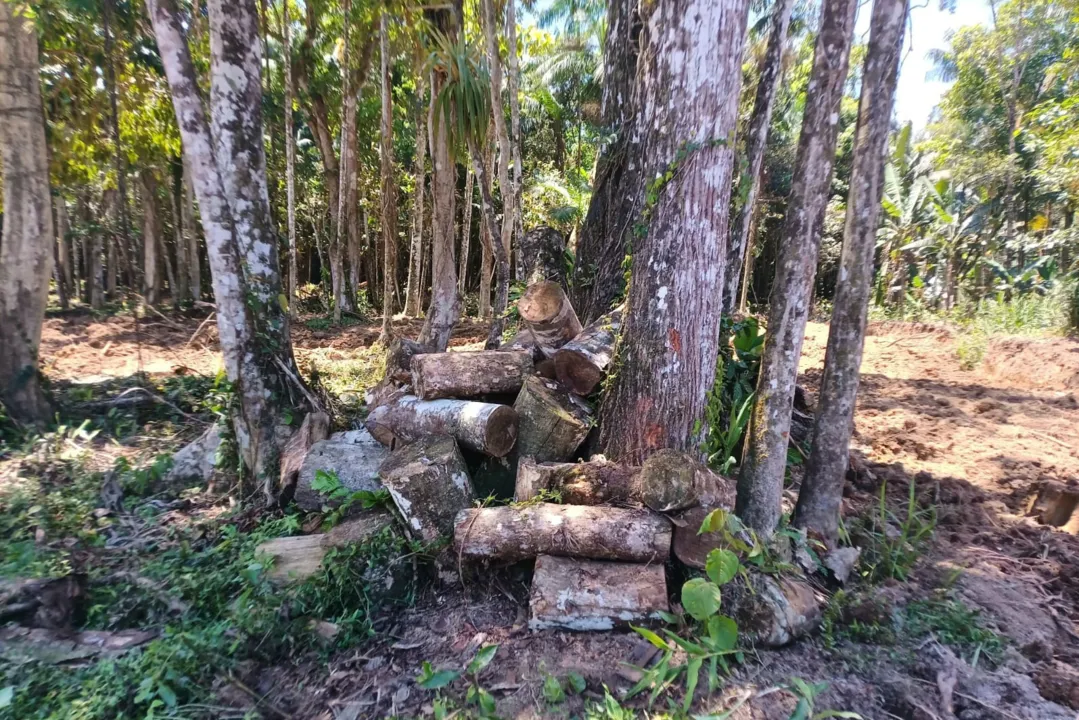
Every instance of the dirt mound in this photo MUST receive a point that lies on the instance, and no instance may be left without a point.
(1034, 363)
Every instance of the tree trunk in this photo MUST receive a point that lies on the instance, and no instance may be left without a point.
(513, 78)
(340, 237)
(151, 230)
(822, 489)
(514, 533)
(62, 253)
(495, 248)
(229, 177)
(26, 250)
(290, 161)
(604, 237)
(692, 52)
(414, 291)
(541, 256)
(487, 260)
(389, 187)
(445, 306)
(170, 271)
(553, 423)
(191, 237)
(428, 481)
(469, 374)
(118, 152)
(183, 275)
(596, 482)
(466, 232)
(760, 484)
(549, 316)
(745, 200)
(484, 427)
(505, 155)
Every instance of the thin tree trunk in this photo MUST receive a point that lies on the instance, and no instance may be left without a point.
(151, 230)
(760, 483)
(513, 78)
(26, 250)
(389, 186)
(466, 231)
(745, 200)
(414, 291)
(348, 105)
(112, 264)
(690, 76)
(229, 177)
(498, 252)
(62, 255)
(170, 270)
(290, 160)
(191, 237)
(445, 307)
(487, 260)
(182, 289)
(505, 157)
(606, 236)
(118, 156)
(822, 489)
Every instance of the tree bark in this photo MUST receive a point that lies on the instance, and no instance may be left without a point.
(348, 110)
(466, 231)
(510, 534)
(151, 241)
(389, 186)
(505, 155)
(822, 489)
(691, 51)
(414, 291)
(118, 153)
(191, 237)
(182, 289)
(549, 316)
(552, 422)
(604, 237)
(596, 482)
(290, 161)
(229, 177)
(469, 374)
(63, 253)
(582, 362)
(592, 595)
(513, 81)
(487, 260)
(497, 250)
(26, 250)
(428, 481)
(760, 484)
(541, 256)
(484, 427)
(745, 200)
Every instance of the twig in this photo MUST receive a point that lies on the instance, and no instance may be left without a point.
(315, 404)
(168, 321)
(203, 324)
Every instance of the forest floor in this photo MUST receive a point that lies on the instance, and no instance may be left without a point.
(967, 608)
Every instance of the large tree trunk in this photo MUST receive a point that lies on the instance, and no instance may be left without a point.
(484, 427)
(505, 155)
(26, 249)
(487, 260)
(445, 306)
(745, 199)
(389, 186)
(151, 241)
(229, 177)
(760, 484)
(290, 161)
(598, 277)
(822, 489)
(414, 291)
(690, 75)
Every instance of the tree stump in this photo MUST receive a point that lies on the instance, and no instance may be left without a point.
(546, 311)
(577, 594)
(553, 423)
(513, 533)
(468, 374)
(675, 480)
(582, 362)
(484, 427)
(429, 483)
(596, 482)
(543, 252)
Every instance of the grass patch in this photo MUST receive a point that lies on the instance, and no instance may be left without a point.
(342, 372)
(954, 625)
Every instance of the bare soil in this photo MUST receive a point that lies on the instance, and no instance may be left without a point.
(976, 443)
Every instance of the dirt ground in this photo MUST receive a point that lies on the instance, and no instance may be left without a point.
(977, 443)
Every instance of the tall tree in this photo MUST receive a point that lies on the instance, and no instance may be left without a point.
(687, 105)
(118, 152)
(27, 239)
(445, 306)
(151, 230)
(745, 192)
(822, 489)
(191, 237)
(466, 231)
(348, 132)
(389, 187)
(760, 483)
(414, 290)
(602, 243)
(228, 173)
(290, 160)
(513, 83)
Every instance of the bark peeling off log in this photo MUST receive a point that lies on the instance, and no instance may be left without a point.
(429, 483)
(469, 374)
(594, 595)
(549, 315)
(513, 533)
(553, 423)
(484, 427)
(581, 363)
(595, 482)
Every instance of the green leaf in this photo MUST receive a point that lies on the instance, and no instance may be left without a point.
(483, 659)
(701, 598)
(721, 565)
(651, 637)
(552, 690)
(431, 679)
(693, 670)
(723, 632)
(486, 701)
(714, 521)
(576, 682)
(165, 693)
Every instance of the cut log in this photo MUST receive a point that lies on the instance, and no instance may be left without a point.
(354, 456)
(429, 483)
(595, 482)
(513, 533)
(547, 313)
(315, 428)
(484, 427)
(298, 558)
(553, 423)
(690, 548)
(543, 251)
(577, 594)
(468, 374)
(772, 611)
(675, 480)
(399, 358)
(582, 362)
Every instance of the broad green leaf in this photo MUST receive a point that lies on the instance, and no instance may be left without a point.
(701, 598)
(721, 565)
(483, 659)
(576, 682)
(431, 679)
(723, 632)
(552, 690)
(714, 521)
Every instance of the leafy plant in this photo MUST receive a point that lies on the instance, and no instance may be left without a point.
(890, 544)
(475, 695)
(341, 499)
(731, 399)
(955, 625)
